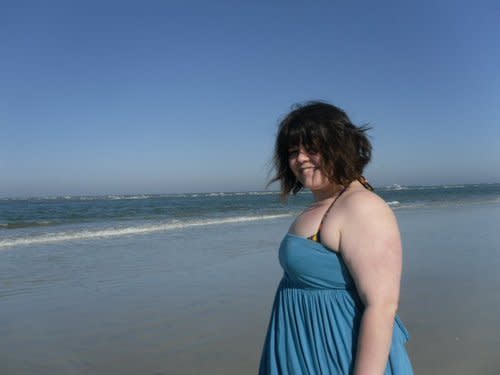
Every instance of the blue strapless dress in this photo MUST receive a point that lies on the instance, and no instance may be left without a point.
(316, 316)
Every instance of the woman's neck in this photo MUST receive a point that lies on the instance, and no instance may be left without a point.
(331, 191)
(327, 193)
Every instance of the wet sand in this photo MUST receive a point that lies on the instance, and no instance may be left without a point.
(198, 301)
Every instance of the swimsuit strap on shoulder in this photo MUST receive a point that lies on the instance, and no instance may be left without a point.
(363, 181)
(315, 236)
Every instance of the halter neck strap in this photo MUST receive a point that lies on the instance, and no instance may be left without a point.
(316, 236)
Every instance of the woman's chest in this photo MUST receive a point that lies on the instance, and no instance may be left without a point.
(312, 221)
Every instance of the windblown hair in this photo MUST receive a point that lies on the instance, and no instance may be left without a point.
(321, 127)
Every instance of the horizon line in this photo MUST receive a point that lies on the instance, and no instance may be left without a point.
(68, 196)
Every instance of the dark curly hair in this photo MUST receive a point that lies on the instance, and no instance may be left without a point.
(321, 127)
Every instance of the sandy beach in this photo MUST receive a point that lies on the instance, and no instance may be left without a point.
(197, 301)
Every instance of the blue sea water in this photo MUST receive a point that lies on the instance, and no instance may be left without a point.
(37, 220)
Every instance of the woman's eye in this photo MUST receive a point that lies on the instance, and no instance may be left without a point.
(293, 153)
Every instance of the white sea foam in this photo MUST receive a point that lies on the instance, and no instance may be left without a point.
(26, 224)
(393, 203)
(396, 187)
(263, 192)
(222, 194)
(116, 232)
(404, 206)
(219, 194)
(113, 197)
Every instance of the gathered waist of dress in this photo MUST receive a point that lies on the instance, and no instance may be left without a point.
(288, 282)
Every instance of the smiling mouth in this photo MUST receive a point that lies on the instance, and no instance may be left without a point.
(306, 169)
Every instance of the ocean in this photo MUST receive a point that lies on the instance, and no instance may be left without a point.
(183, 283)
(39, 220)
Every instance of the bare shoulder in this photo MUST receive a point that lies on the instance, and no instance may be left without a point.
(358, 215)
(367, 220)
(366, 204)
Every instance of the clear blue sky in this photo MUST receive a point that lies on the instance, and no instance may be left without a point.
(102, 97)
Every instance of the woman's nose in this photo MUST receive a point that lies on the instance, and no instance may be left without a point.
(302, 155)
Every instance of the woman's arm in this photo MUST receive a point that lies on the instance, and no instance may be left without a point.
(371, 247)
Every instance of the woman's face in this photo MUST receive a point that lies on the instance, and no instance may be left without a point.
(305, 165)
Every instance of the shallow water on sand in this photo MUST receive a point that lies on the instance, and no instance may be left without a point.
(450, 292)
(198, 300)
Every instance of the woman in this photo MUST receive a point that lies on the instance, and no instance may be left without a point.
(335, 308)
